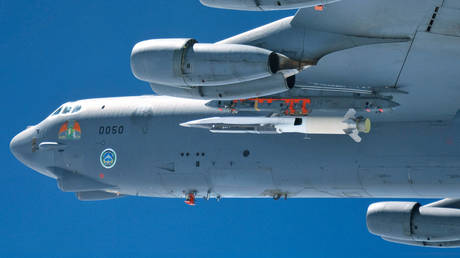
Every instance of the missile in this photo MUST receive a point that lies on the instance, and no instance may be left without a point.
(348, 124)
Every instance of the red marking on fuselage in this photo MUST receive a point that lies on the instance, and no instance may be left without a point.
(190, 200)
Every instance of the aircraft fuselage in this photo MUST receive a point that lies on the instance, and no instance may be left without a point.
(156, 157)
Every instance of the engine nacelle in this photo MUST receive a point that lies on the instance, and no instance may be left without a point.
(410, 223)
(184, 62)
(264, 5)
(244, 90)
(440, 244)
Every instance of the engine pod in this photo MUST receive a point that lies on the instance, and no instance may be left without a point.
(184, 62)
(408, 221)
(251, 89)
(391, 219)
(263, 5)
(159, 60)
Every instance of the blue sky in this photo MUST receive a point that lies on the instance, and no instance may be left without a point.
(58, 51)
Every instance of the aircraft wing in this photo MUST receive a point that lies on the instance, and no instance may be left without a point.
(391, 18)
(397, 60)
(353, 41)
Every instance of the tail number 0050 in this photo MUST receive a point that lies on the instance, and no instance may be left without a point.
(113, 129)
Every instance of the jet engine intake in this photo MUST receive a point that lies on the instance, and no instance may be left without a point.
(264, 5)
(410, 223)
(184, 62)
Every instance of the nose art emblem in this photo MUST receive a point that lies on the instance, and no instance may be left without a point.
(70, 130)
(108, 158)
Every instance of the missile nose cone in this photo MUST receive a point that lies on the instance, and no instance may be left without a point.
(186, 124)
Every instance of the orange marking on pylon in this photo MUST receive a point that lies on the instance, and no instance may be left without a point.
(319, 7)
(289, 103)
(291, 107)
(304, 107)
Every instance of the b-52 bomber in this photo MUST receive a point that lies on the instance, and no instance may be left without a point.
(345, 99)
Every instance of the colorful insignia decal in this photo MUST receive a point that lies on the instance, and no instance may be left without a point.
(108, 158)
(70, 130)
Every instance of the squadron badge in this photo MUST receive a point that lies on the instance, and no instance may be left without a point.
(70, 130)
(108, 158)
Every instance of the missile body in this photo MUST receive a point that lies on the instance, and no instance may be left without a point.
(276, 125)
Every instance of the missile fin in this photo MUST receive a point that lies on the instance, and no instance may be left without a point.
(350, 114)
(355, 135)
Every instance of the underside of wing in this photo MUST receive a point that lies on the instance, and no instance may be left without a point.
(356, 45)
(388, 60)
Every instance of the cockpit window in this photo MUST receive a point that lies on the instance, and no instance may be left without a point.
(66, 109)
(76, 108)
(57, 111)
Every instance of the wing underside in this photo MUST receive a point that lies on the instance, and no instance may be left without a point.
(357, 42)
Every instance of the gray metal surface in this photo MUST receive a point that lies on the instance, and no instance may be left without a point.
(395, 61)
(157, 157)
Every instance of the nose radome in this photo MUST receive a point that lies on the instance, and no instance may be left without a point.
(21, 145)
(14, 145)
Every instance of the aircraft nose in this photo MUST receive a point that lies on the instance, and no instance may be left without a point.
(21, 145)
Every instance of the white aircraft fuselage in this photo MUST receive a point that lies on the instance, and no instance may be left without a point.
(156, 157)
